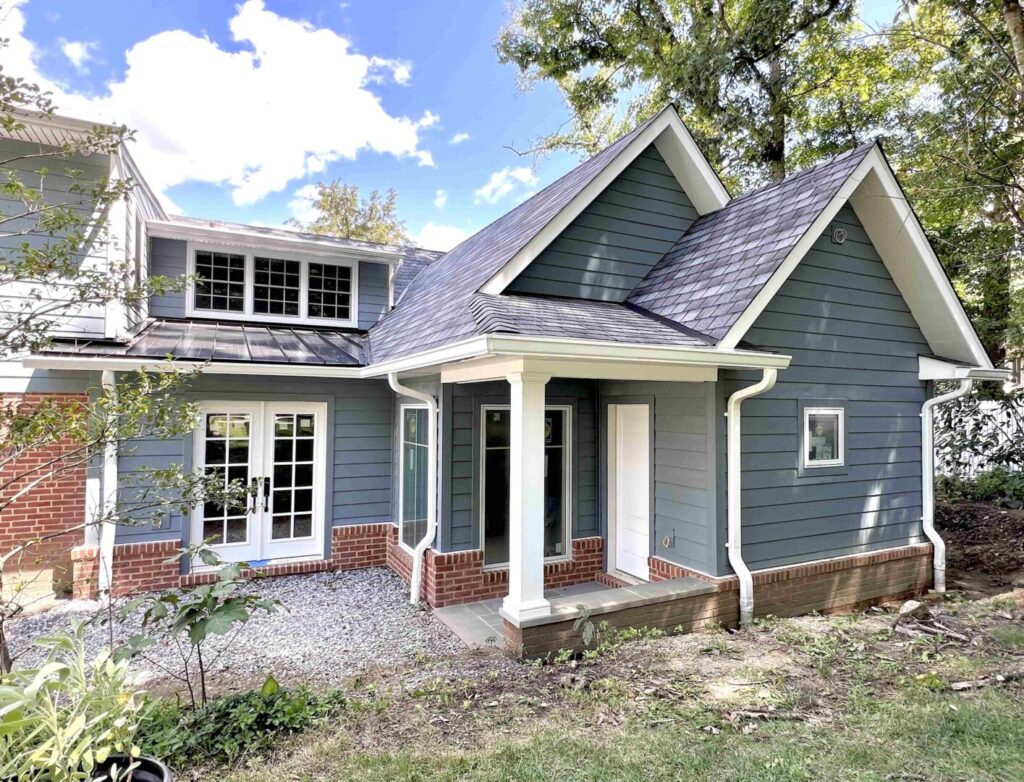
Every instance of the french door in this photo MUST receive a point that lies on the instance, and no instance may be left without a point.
(280, 449)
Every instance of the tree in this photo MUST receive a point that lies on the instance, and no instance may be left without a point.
(754, 79)
(48, 238)
(341, 213)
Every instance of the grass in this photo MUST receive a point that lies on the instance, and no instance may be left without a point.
(815, 698)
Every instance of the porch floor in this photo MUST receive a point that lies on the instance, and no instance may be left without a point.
(479, 624)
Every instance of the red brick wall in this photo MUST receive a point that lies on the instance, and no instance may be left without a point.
(138, 567)
(460, 577)
(53, 505)
(662, 570)
(361, 545)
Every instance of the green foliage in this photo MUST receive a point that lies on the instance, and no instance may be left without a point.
(61, 720)
(190, 618)
(995, 484)
(972, 434)
(340, 212)
(227, 728)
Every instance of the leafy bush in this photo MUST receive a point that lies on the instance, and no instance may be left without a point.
(226, 728)
(994, 484)
(59, 721)
(972, 434)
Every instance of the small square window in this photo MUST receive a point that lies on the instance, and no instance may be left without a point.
(823, 437)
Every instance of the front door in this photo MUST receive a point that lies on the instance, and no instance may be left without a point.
(629, 493)
(279, 446)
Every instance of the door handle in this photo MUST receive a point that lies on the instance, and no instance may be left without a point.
(254, 491)
(266, 494)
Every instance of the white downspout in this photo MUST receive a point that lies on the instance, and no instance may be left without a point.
(428, 537)
(734, 466)
(109, 502)
(928, 480)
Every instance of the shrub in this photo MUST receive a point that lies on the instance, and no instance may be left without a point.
(226, 728)
(987, 486)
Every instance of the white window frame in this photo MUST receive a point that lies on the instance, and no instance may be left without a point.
(247, 314)
(840, 461)
(401, 466)
(567, 471)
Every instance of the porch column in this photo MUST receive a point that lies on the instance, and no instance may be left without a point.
(525, 598)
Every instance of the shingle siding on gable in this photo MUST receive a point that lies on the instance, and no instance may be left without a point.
(168, 259)
(614, 243)
(852, 337)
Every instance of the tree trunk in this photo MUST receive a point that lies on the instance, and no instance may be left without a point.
(775, 148)
(1015, 26)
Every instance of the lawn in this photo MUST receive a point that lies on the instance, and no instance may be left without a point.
(836, 698)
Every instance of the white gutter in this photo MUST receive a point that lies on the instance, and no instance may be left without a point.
(928, 480)
(108, 529)
(734, 468)
(428, 536)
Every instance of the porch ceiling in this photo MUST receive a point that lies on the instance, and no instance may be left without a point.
(499, 367)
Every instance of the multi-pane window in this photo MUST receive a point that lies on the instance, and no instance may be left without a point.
(292, 488)
(226, 456)
(264, 287)
(823, 437)
(415, 454)
(330, 291)
(220, 282)
(276, 287)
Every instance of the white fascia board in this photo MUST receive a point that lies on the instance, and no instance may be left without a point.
(474, 347)
(141, 185)
(931, 368)
(251, 240)
(899, 239)
(683, 157)
(113, 363)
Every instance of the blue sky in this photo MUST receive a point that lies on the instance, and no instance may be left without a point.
(239, 106)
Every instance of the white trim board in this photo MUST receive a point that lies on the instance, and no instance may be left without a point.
(671, 138)
(876, 198)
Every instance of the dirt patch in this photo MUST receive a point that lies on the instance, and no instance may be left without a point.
(985, 546)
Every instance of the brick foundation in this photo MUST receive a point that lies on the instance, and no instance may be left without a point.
(138, 567)
(460, 576)
(829, 586)
(361, 545)
(54, 505)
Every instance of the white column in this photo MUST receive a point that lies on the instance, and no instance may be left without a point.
(525, 599)
(108, 528)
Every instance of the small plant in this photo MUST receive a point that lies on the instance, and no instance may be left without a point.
(58, 722)
(583, 625)
(189, 619)
(1008, 636)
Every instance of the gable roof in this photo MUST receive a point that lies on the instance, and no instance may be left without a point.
(712, 274)
(414, 260)
(435, 310)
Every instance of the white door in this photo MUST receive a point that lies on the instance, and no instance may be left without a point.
(281, 448)
(629, 485)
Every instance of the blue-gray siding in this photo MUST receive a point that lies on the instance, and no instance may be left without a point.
(360, 415)
(682, 466)
(605, 252)
(854, 341)
(459, 511)
(168, 259)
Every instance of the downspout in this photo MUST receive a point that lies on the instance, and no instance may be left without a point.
(928, 480)
(428, 537)
(734, 466)
(108, 529)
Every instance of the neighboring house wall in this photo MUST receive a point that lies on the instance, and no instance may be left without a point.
(613, 244)
(169, 259)
(854, 342)
(682, 463)
(460, 502)
(359, 458)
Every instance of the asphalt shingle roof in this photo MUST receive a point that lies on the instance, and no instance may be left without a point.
(435, 308)
(197, 340)
(575, 319)
(712, 274)
(414, 260)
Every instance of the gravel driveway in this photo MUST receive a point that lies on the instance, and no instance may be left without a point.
(336, 625)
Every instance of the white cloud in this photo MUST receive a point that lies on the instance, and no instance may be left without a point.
(439, 237)
(458, 138)
(301, 205)
(504, 182)
(440, 199)
(292, 100)
(78, 52)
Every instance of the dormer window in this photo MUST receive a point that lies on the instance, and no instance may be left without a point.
(264, 287)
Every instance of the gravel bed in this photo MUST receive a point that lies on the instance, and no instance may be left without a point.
(336, 625)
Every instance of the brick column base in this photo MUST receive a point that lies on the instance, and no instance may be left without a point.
(138, 567)
(361, 545)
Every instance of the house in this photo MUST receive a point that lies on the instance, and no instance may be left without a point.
(711, 405)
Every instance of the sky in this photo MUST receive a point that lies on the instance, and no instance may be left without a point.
(240, 108)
